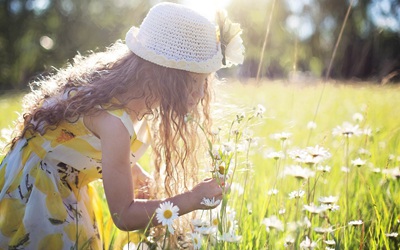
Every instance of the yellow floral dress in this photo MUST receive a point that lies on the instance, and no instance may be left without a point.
(46, 200)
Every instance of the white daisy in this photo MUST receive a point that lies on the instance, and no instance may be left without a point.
(311, 125)
(323, 230)
(210, 202)
(129, 246)
(357, 117)
(318, 151)
(298, 172)
(222, 171)
(324, 169)
(166, 214)
(392, 172)
(196, 239)
(363, 151)
(273, 222)
(358, 162)
(308, 244)
(330, 242)
(314, 209)
(281, 136)
(229, 237)
(289, 241)
(236, 187)
(274, 155)
(392, 235)
(367, 132)
(133, 246)
(296, 194)
(273, 192)
(328, 199)
(330, 207)
(199, 222)
(347, 130)
(345, 169)
(259, 110)
(355, 223)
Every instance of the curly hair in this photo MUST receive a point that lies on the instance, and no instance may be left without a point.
(91, 81)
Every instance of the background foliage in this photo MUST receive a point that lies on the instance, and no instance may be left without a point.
(36, 35)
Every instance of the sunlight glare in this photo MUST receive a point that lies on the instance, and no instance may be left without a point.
(207, 7)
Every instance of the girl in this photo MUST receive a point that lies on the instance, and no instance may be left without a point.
(89, 121)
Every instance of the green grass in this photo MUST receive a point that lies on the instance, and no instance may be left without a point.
(364, 194)
(10, 105)
(371, 197)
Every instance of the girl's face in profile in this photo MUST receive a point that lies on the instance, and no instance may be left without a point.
(196, 88)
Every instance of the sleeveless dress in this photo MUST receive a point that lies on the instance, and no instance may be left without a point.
(46, 199)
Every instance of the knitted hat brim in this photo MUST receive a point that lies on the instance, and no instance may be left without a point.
(209, 66)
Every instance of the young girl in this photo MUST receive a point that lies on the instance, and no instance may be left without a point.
(88, 121)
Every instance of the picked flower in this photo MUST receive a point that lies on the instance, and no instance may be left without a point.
(231, 43)
(210, 202)
(222, 171)
(166, 214)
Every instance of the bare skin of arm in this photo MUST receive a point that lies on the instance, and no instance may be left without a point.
(129, 212)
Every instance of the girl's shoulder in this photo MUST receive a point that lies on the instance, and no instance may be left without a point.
(113, 120)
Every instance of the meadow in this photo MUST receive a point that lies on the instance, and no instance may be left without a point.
(310, 166)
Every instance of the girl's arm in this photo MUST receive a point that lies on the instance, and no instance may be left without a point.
(129, 213)
(144, 184)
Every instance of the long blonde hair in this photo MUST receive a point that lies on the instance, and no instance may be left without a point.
(98, 77)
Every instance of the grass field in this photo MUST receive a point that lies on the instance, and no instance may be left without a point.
(319, 169)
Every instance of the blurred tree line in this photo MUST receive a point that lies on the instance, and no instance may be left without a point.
(37, 35)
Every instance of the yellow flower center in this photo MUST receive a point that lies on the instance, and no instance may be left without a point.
(221, 169)
(167, 214)
(195, 241)
(215, 222)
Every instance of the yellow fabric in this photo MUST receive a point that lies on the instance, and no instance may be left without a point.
(46, 197)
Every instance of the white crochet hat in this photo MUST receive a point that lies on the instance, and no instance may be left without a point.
(175, 36)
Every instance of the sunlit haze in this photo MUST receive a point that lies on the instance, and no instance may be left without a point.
(207, 7)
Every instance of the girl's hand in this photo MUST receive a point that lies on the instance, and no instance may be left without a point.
(209, 188)
(143, 183)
